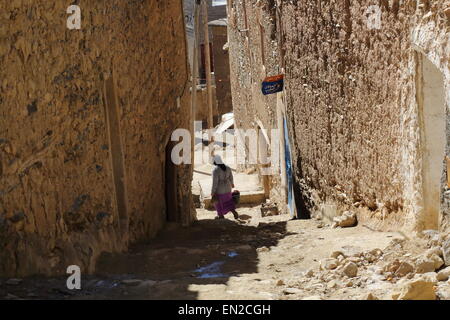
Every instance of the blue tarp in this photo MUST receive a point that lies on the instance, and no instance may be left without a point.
(289, 179)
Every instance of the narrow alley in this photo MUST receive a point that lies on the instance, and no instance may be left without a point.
(224, 150)
(265, 258)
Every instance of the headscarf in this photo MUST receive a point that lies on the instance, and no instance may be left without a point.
(217, 160)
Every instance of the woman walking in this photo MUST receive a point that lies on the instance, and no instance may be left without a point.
(221, 189)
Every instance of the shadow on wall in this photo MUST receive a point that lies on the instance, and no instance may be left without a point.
(302, 201)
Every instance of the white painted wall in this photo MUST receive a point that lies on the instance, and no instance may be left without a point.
(433, 140)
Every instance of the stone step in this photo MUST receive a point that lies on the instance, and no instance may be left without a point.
(247, 198)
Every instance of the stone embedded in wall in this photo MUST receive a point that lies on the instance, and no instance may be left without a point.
(32, 108)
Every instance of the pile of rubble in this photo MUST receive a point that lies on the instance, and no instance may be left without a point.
(269, 209)
(394, 273)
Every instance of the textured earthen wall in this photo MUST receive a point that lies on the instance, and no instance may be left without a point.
(253, 57)
(57, 196)
(352, 103)
(221, 70)
(202, 111)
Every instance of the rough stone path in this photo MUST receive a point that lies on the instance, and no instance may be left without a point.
(252, 192)
(263, 258)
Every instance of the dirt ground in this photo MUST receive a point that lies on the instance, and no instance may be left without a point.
(258, 258)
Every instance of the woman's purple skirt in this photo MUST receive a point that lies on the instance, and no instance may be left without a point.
(224, 204)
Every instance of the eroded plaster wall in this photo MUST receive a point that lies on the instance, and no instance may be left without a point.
(254, 55)
(353, 103)
(202, 107)
(221, 69)
(433, 138)
(58, 203)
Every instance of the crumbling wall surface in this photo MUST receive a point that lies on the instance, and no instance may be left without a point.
(202, 107)
(221, 70)
(57, 197)
(254, 55)
(351, 100)
(248, 65)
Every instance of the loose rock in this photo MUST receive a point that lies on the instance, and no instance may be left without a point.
(446, 252)
(348, 219)
(350, 270)
(403, 269)
(329, 264)
(431, 234)
(434, 251)
(424, 265)
(132, 282)
(292, 291)
(438, 262)
(392, 267)
(429, 276)
(332, 284)
(376, 252)
(309, 273)
(371, 296)
(280, 283)
(312, 298)
(420, 289)
(336, 254)
(443, 275)
(13, 282)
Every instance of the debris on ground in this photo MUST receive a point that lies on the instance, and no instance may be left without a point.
(279, 258)
(13, 282)
(418, 289)
(346, 220)
(269, 209)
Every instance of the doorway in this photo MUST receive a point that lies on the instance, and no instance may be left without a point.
(433, 138)
(170, 183)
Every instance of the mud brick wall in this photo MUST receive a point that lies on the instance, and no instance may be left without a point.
(254, 55)
(85, 116)
(221, 69)
(202, 107)
(352, 99)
